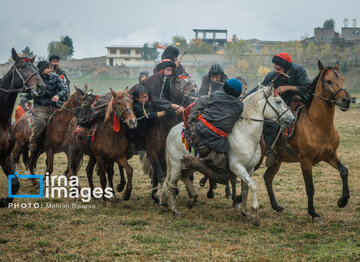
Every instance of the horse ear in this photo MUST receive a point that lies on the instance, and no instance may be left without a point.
(127, 89)
(32, 59)
(113, 92)
(321, 66)
(77, 90)
(86, 86)
(15, 56)
(337, 66)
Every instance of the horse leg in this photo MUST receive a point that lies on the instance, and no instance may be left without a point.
(129, 173)
(203, 181)
(32, 165)
(158, 177)
(190, 188)
(89, 173)
(227, 190)
(306, 167)
(110, 173)
(210, 193)
(269, 177)
(50, 161)
(25, 158)
(8, 168)
(244, 197)
(236, 199)
(336, 163)
(171, 187)
(120, 187)
(241, 172)
(101, 173)
(66, 172)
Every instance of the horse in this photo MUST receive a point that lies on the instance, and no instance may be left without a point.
(315, 138)
(23, 76)
(109, 141)
(244, 153)
(53, 137)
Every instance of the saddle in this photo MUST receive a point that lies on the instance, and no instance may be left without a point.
(295, 108)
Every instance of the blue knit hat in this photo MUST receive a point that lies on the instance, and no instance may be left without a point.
(233, 87)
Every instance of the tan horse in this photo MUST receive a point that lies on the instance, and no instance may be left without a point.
(315, 138)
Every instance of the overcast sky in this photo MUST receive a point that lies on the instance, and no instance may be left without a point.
(95, 24)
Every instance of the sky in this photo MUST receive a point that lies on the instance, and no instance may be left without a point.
(93, 25)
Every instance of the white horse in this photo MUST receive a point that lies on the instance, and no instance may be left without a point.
(244, 154)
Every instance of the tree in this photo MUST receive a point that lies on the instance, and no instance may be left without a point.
(58, 48)
(180, 42)
(197, 46)
(237, 48)
(329, 24)
(149, 53)
(27, 52)
(66, 40)
(262, 71)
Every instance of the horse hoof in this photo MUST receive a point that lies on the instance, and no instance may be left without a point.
(227, 195)
(120, 187)
(163, 208)
(156, 201)
(191, 202)
(3, 202)
(178, 214)
(202, 182)
(236, 205)
(210, 194)
(317, 220)
(255, 221)
(279, 209)
(127, 194)
(342, 202)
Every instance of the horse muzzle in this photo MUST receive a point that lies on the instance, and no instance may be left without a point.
(344, 104)
(132, 123)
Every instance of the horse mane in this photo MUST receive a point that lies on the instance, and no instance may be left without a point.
(250, 104)
(313, 84)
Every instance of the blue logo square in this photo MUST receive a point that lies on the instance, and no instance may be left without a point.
(40, 195)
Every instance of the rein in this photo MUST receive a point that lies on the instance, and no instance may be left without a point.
(24, 88)
(116, 110)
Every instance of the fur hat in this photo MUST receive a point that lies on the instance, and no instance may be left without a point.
(165, 63)
(171, 52)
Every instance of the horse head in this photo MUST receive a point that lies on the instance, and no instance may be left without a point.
(275, 108)
(122, 107)
(185, 91)
(25, 76)
(332, 86)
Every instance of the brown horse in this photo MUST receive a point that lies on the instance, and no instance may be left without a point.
(109, 144)
(23, 76)
(315, 138)
(54, 135)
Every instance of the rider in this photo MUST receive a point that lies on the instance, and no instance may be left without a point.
(143, 75)
(213, 80)
(55, 92)
(159, 86)
(23, 107)
(215, 122)
(54, 61)
(172, 53)
(295, 83)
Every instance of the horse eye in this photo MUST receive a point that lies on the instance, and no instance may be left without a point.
(328, 81)
(278, 102)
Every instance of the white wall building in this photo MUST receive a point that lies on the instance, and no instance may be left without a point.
(126, 55)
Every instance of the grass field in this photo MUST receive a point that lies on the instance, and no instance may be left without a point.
(137, 230)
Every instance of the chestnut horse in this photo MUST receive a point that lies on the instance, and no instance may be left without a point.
(23, 76)
(53, 137)
(315, 138)
(109, 143)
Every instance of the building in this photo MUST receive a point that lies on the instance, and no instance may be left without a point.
(126, 55)
(257, 45)
(350, 33)
(215, 37)
(324, 35)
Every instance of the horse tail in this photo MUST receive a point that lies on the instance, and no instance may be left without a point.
(165, 188)
(146, 166)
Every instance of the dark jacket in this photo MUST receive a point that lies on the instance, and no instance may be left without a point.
(222, 110)
(179, 70)
(154, 84)
(207, 87)
(54, 86)
(143, 121)
(297, 77)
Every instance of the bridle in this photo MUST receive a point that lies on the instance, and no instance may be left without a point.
(273, 108)
(325, 85)
(24, 87)
(117, 111)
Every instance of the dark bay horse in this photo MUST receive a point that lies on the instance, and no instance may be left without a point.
(110, 142)
(315, 138)
(22, 77)
(54, 135)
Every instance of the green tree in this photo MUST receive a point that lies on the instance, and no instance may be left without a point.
(197, 46)
(27, 52)
(66, 40)
(58, 48)
(180, 42)
(329, 24)
(149, 53)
